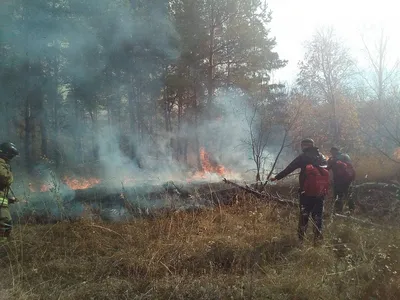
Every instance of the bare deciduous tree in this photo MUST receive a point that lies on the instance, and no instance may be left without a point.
(294, 109)
(325, 72)
(260, 129)
(383, 75)
(381, 123)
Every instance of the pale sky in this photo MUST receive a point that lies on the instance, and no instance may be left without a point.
(294, 21)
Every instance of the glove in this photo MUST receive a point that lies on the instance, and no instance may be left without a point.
(12, 200)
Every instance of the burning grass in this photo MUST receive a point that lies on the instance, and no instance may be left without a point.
(244, 251)
(210, 171)
(71, 183)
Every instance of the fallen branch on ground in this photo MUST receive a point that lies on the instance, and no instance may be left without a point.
(361, 221)
(261, 195)
(377, 185)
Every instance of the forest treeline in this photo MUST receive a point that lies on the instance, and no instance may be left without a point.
(151, 73)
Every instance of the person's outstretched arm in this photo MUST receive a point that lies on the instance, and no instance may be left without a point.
(293, 166)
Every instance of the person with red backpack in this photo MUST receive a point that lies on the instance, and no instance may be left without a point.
(343, 175)
(314, 184)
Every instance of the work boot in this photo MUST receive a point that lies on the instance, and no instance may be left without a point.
(318, 238)
(300, 235)
(338, 206)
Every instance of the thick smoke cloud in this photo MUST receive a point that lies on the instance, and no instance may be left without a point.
(226, 139)
(45, 32)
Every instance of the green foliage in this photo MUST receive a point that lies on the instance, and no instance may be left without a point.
(145, 63)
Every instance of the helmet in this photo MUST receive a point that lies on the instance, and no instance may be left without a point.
(308, 142)
(8, 150)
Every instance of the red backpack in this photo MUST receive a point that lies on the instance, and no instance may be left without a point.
(345, 171)
(316, 183)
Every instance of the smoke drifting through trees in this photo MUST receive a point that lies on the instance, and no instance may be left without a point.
(136, 88)
(139, 86)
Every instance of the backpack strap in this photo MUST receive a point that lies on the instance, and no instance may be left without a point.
(319, 168)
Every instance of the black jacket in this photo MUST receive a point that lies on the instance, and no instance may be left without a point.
(332, 166)
(309, 156)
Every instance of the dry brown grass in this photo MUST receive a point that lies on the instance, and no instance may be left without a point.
(247, 251)
(376, 168)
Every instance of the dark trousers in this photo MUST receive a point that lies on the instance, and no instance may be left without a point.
(341, 195)
(313, 206)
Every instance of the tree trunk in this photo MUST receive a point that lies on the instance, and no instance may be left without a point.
(197, 142)
(132, 120)
(56, 131)
(336, 136)
(43, 131)
(185, 150)
(258, 177)
(179, 150)
(28, 129)
(93, 117)
(210, 85)
(167, 116)
(78, 135)
(6, 130)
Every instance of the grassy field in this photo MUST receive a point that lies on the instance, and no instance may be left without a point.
(245, 251)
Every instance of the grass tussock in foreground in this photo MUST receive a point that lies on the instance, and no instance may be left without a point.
(245, 251)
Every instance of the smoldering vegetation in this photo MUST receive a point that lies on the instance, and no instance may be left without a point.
(116, 94)
(121, 95)
(86, 82)
(135, 110)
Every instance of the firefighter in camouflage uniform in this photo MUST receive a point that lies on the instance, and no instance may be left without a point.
(7, 152)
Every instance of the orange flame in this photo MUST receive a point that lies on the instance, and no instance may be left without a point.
(80, 184)
(206, 164)
(208, 167)
(74, 184)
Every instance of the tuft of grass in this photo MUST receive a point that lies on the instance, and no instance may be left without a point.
(246, 251)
